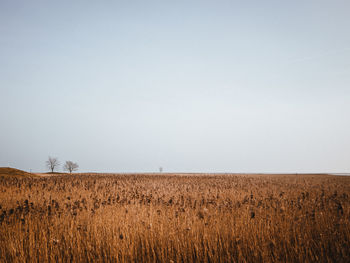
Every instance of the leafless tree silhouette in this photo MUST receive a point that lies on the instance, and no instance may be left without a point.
(52, 163)
(70, 166)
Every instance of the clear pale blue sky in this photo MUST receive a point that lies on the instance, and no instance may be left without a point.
(214, 86)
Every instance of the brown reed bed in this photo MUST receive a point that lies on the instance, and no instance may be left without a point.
(175, 218)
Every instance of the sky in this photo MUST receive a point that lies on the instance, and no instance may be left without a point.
(191, 86)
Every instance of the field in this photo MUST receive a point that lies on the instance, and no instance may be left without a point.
(175, 218)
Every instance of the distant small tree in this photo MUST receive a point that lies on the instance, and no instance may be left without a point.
(52, 163)
(160, 169)
(70, 166)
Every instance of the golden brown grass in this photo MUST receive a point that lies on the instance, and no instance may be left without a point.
(13, 172)
(175, 218)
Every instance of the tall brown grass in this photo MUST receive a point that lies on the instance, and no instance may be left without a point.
(175, 218)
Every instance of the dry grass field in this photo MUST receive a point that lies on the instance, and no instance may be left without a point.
(175, 218)
(12, 172)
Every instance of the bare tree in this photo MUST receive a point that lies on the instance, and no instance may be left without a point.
(52, 163)
(70, 166)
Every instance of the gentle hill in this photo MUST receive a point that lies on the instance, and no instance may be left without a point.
(13, 172)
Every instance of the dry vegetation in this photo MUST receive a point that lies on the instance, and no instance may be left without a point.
(12, 172)
(175, 218)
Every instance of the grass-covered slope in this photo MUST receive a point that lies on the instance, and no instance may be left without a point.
(13, 172)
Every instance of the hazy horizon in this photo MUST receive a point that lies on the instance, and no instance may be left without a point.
(191, 86)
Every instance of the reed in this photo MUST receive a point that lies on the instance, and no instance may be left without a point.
(175, 218)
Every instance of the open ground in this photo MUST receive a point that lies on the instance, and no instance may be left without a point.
(174, 218)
